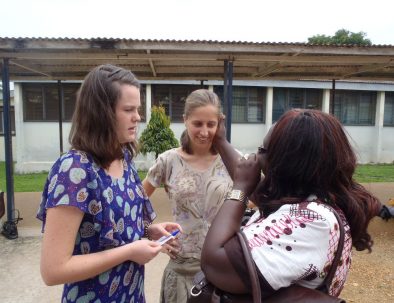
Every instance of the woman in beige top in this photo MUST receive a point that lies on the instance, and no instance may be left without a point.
(196, 181)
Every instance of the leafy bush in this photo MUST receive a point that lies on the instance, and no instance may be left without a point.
(157, 137)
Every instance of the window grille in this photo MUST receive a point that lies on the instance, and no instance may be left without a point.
(248, 103)
(354, 107)
(288, 98)
(389, 109)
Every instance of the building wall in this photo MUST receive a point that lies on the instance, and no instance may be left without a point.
(36, 145)
(363, 139)
(2, 148)
(387, 149)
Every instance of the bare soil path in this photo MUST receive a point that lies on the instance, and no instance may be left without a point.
(371, 277)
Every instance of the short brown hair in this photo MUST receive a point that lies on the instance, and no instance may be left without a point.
(93, 127)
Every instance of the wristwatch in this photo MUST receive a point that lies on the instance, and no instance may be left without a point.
(238, 195)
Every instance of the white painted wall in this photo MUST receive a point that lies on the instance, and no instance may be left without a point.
(36, 145)
(248, 137)
(387, 151)
(363, 140)
(40, 147)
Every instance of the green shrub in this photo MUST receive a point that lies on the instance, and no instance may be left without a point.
(157, 137)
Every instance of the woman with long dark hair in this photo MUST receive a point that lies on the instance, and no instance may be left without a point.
(308, 165)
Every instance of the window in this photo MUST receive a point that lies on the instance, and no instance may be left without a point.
(41, 101)
(248, 103)
(288, 98)
(354, 107)
(69, 100)
(389, 109)
(172, 98)
(12, 119)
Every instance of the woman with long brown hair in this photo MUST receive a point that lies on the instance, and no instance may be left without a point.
(196, 181)
(94, 208)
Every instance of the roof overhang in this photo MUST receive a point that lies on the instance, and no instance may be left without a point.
(71, 59)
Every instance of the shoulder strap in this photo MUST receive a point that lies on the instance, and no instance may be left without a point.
(325, 286)
(256, 291)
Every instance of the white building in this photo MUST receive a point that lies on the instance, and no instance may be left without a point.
(365, 109)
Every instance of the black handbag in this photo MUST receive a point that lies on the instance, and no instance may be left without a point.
(203, 291)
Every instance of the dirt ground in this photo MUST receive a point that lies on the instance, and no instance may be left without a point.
(371, 277)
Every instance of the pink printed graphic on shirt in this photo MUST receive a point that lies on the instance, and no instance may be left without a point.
(298, 217)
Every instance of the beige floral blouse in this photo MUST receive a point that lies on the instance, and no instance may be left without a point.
(195, 196)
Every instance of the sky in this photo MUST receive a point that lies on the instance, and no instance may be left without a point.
(222, 20)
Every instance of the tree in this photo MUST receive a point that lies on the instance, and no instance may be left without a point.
(157, 137)
(342, 36)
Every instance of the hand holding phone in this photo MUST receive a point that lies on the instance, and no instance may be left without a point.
(165, 239)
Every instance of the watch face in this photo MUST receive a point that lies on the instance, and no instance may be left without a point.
(236, 194)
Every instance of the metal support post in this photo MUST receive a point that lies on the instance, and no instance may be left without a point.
(228, 95)
(9, 229)
(60, 104)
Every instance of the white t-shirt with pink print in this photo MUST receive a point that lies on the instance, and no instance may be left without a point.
(297, 243)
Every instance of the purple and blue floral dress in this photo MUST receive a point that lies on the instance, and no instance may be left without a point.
(115, 211)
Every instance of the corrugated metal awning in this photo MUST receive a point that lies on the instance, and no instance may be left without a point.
(71, 59)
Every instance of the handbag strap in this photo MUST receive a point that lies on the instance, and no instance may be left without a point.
(256, 290)
(325, 286)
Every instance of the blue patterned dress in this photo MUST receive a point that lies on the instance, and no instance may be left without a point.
(115, 211)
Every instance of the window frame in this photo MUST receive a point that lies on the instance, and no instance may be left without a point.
(247, 103)
(171, 90)
(355, 97)
(387, 115)
(288, 95)
(46, 90)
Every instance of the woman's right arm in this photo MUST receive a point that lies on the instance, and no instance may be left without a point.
(215, 262)
(148, 187)
(59, 265)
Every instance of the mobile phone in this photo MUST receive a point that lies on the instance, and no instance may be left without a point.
(165, 239)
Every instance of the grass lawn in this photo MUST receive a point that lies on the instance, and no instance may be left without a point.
(25, 182)
(35, 182)
(369, 173)
(32, 182)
